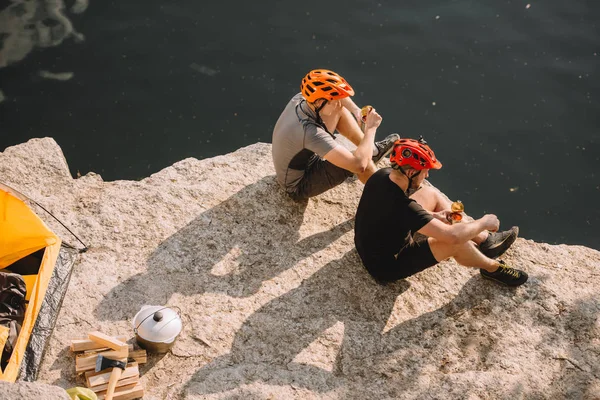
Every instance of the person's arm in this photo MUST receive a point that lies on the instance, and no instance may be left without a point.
(459, 233)
(351, 106)
(358, 161)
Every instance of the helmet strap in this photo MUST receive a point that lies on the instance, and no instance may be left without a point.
(409, 189)
(319, 119)
(319, 108)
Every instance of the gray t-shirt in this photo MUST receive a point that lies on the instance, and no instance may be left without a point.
(297, 140)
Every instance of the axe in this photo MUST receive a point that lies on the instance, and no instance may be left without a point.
(117, 369)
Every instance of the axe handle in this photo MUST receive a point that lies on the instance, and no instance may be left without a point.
(115, 375)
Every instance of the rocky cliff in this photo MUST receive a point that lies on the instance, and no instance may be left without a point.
(275, 302)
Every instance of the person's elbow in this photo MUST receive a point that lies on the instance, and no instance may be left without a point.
(360, 165)
(361, 168)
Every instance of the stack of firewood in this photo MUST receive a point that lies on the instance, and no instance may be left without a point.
(125, 384)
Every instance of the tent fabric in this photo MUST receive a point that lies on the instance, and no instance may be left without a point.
(57, 287)
(22, 233)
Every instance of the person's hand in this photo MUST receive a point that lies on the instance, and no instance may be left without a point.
(373, 119)
(491, 222)
(443, 216)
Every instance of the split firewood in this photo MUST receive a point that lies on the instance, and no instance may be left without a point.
(87, 362)
(121, 383)
(107, 341)
(88, 344)
(93, 378)
(126, 394)
(102, 350)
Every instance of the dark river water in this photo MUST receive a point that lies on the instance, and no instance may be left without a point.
(506, 92)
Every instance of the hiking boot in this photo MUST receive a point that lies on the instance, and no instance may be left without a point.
(385, 147)
(506, 275)
(498, 242)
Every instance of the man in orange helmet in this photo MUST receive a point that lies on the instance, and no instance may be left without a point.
(307, 157)
(390, 199)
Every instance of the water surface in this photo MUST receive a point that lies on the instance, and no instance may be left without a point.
(506, 93)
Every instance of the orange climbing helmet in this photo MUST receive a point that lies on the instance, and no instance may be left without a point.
(415, 153)
(324, 84)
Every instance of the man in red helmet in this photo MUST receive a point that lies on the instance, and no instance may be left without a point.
(390, 199)
(307, 157)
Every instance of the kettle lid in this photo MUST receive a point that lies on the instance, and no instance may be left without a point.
(157, 324)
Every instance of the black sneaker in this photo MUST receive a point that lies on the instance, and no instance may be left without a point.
(506, 275)
(385, 146)
(498, 242)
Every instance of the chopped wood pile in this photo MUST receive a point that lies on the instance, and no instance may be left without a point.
(109, 366)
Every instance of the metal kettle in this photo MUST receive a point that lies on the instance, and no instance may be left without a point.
(156, 328)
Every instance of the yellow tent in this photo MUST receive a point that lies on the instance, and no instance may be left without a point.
(23, 234)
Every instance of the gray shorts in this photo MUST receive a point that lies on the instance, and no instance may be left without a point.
(319, 177)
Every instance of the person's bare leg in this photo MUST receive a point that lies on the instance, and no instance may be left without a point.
(349, 128)
(466, 254)
(432, 200)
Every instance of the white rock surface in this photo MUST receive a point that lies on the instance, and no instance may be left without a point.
(28, 390)
(276, 304)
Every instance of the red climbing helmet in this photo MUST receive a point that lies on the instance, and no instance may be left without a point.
(324, 84)
(415, 153)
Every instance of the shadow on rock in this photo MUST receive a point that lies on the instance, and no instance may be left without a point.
(64, 363)
(573, 332)
(231, 248)
(340, 305)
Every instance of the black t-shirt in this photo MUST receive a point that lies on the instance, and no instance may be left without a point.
(385, 219)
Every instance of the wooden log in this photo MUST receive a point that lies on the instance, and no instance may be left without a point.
(119, 389)
(89, 353)
(93, 378)
(107, 341)
(127, 394)
(99, 350)
(87, 362)
(126, 382)
(88, 344)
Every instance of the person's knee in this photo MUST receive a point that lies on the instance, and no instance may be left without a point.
(442, 250)
(364, 176)
(426, 196)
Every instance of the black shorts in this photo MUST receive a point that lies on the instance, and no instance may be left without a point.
(414, 257)
(319, 177)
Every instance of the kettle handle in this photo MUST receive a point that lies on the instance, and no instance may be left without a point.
(135, 330)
